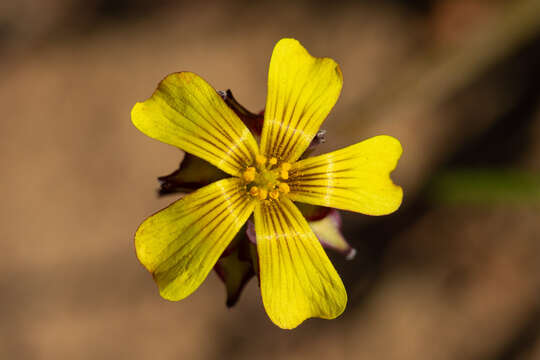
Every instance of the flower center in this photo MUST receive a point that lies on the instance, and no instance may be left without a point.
(266, 179)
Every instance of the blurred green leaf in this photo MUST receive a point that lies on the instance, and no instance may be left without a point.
(485, 186)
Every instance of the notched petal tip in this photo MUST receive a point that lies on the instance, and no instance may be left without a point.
(185, 111)
(355, 178)
(302, 89)
(181, 244)
(398, 202)
(298, 281)
(393, 145)
(137, 116)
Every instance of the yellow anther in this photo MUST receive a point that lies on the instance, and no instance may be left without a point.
(260, 159)
(254, 191)
(273, 161)
(284, 174)
(285, 166)
(249, 177)
(284, 188)
(274, 194)
(249, 174)
(263, 194)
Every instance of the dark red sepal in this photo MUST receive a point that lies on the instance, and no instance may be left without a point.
(192, 174)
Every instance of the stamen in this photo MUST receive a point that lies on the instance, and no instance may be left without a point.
(260, 159)
(263, 181)
(254, 191)
(249, 174)
(274, 194)
(284, 188)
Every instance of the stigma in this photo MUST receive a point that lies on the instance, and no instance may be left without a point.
(266, 178)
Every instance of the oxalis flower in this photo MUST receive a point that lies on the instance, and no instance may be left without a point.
(182, 243)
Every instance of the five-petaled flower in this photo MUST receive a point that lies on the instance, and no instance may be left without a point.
(181, 244)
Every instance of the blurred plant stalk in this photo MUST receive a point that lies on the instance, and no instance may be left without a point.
(421, 105)
(485, 187)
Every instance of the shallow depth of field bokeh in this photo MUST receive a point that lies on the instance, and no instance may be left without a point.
(454, 274)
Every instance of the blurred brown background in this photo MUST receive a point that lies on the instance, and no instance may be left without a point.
(454, 274)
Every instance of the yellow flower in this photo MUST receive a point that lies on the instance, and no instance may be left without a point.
(181, 244)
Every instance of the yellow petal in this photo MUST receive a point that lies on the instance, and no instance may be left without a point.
(180, 244)
(302, 90)
(185, 111)
(297, 279)
(356, 178)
